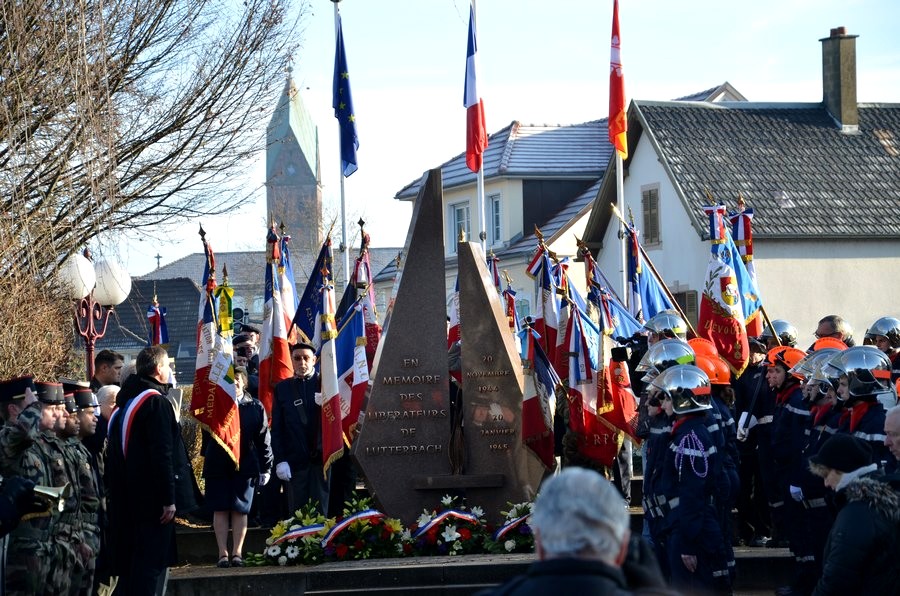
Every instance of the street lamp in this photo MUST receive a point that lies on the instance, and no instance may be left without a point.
(93, 287)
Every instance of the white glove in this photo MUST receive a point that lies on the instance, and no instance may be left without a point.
(796, 493)
(264, 478)
(283, 471)
(742, 434)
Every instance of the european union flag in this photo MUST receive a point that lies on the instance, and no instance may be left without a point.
(342, 103)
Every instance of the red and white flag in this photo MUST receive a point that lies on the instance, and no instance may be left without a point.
(278, 312)
(330, 397)
(353, 369)
(476, 130)
(618, 118)
(213, 401)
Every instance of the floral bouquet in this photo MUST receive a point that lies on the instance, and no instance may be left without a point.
(362, 533)
(515, 535)
(295, 541)
(451, 530)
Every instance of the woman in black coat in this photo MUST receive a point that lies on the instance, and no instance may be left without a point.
(229, 491)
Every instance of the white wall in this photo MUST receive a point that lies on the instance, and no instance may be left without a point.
(803, 281)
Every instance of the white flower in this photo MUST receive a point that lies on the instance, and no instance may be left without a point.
(450, 534)
(405, 535)
(282, 560)
(292, 552)
(478, 512)
(509, 545)
(269, 541)
(399, 547)
(447, 500)
(423, 519)
(273, 551)
(294, 527)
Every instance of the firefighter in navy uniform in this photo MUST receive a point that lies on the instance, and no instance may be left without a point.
(884, 334)
(864, 374)
(694, 541)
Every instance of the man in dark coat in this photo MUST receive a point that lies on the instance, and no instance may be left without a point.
(863, 545)
(148, 477)
(582, 542)
(297, 432)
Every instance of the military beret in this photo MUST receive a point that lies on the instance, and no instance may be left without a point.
(303, 345)
(85, 398)
(14, 389)
(241, 338)
(245, 328)
(50, 393)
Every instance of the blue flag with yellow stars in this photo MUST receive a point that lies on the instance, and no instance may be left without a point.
(342, 103)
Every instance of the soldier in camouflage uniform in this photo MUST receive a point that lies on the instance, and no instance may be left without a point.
(33, 556)
(81, 413)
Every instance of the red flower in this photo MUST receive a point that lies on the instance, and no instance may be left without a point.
(375, 521)
(385, 534)
(359, 544)
(341, 550)
(407, 548)
(465, 533)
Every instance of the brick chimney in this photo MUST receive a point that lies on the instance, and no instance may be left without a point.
(839, 78)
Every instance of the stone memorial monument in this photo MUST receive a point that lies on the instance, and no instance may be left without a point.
(404, 448)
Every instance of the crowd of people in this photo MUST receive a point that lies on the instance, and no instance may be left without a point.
(762, 443)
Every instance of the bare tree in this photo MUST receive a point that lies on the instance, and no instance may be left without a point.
(121, 114)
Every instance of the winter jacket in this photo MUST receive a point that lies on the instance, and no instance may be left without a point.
(864, 544)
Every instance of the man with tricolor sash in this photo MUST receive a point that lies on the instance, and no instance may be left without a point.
(148, 476)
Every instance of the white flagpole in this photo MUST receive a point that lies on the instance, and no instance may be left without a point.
(479, 184)
(345, 242)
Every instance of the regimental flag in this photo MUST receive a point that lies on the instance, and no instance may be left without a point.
(728, 293)
(569, 298)
(648, 296)
(213, 401)
(542, 385)
(330, 397)
(493, 265)
(546, 311)
(618, 117)
(274, 345)
(476, 130)
(509, 307)
(156, 320)
(742, 232)
(615, 320)
(352, 366)
(342, 102)
(621, 412)
(306, 319)
(288, 287)
(362, 279)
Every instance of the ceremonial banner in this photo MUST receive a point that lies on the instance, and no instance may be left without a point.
(329, 399)
(213, 401)
(352, 366)
(618, 118)
(342, 102)
(306, 319)
(647, 294)
(156, 319)
(621, 413)
(728, 293)
(274, 346)
(615, 320)
(493, 265)
(539, 400)
(476, 130)
(742, 232)
(546, 305)
(509, 306)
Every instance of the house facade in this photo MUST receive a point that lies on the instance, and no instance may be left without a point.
(823, 180)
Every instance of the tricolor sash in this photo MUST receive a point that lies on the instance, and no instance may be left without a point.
(130, 411)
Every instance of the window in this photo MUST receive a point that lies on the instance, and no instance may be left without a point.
(495, 234)
(650, 208)
(459, 216)
(687, 300)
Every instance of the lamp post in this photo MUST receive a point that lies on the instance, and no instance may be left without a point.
(96, 290)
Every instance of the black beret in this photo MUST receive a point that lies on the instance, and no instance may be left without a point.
(241, 338)
(245, 328)
(14, 389)
(843, 453)
(303, 345)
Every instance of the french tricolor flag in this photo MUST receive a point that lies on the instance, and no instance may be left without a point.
(352, 367)
(476, 131)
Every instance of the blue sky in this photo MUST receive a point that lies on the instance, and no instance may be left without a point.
(539, 62)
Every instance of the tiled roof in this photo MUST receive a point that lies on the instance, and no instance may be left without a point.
(791, 163)
(532, 150)
(551, 230)
(128, 330)
(723, 92)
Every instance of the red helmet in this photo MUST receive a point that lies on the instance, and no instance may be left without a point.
(829, 342)
(785, 357)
